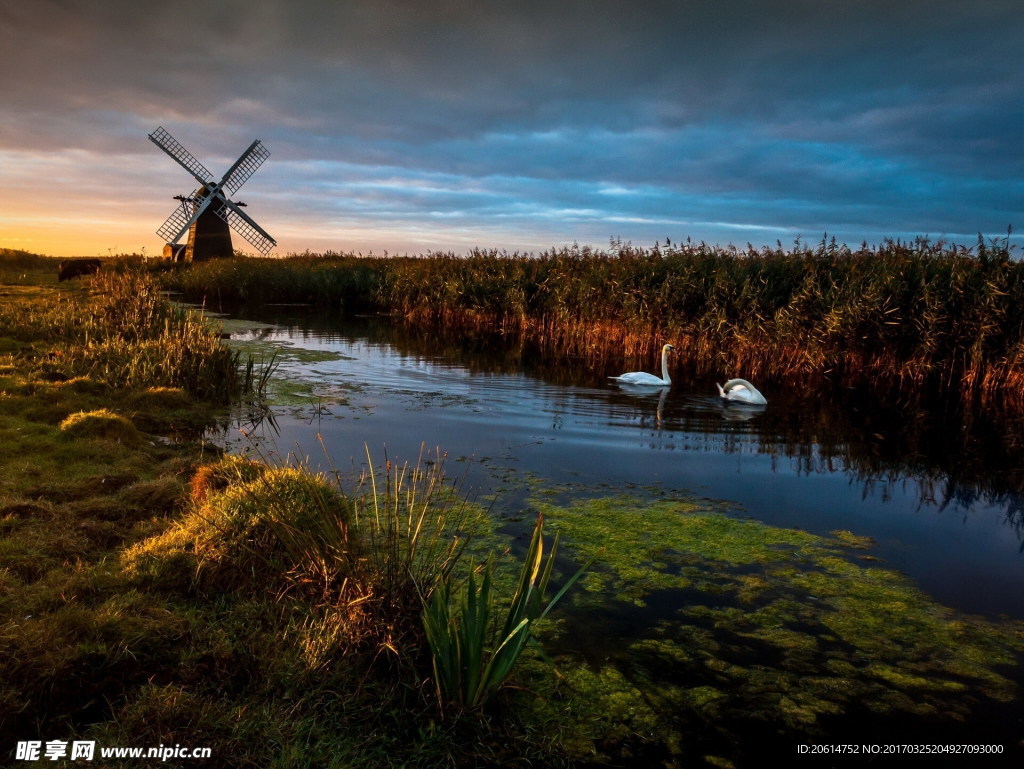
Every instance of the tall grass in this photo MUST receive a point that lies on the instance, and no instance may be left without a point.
(124, 332)
(414, 527)
(331, 281)
(911, 315)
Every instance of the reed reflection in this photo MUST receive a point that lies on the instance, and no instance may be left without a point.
(951, 451)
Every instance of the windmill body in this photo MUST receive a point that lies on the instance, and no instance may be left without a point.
(208, 215)
(209, 236)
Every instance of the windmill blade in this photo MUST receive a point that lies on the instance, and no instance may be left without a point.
(182, 156)
(175, 225)
(245, 166)
(181, 219)
(246, 227)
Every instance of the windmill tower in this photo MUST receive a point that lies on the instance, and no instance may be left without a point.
(207, 214)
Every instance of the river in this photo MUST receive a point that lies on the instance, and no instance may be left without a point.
(934, 493)
(796, 463)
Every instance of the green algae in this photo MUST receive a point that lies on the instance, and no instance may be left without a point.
(645, 547)
(592, 712)
(294, 381)
(772, 626)
(852, 540)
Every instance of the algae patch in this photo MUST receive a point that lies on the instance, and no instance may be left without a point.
(718, 619)
(642, 547)
(294, 378)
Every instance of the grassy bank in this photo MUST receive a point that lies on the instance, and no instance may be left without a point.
(913, 316)
(153, 592)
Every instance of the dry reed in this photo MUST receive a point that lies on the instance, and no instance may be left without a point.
(915, 315)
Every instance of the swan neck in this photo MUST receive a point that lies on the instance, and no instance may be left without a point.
(664, 366)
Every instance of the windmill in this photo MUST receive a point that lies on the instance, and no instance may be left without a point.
(207, 213)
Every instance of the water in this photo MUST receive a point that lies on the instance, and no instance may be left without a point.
(801, 463)
(938, 492)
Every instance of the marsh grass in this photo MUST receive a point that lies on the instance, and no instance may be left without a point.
(413, 525)
(121, 331)
(19, 267)
(257, 374)
(331, 281)
(363, 560)
(912, 316)
(79, 482)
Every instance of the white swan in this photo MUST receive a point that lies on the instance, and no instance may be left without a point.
(742, 391)
(643, 378)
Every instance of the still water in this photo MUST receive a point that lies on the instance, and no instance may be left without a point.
(940, 504)
(802, 462)
(936, 491)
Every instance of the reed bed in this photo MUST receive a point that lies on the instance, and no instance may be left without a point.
(331, 281)
(124, 332)
(909, 315)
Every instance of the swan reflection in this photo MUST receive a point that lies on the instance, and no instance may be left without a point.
(730, 411)
(643, 393)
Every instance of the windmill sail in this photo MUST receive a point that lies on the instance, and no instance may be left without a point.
(170, 145)
(247, 228)
(175, 226)
(245, 166)
(185, 215)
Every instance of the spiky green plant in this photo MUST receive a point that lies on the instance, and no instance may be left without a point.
(472, 657)
(413, 527)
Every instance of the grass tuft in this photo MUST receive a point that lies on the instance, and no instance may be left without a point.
(102, 424)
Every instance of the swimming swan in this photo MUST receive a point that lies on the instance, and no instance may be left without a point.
(643, 378)
(742, 391)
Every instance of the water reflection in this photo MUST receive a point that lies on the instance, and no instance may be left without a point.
(730, 411)
(867, 462)
(955, 456)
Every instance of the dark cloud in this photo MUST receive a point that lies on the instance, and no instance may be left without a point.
(867, 117)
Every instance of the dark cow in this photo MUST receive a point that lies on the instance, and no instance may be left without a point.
(73, 268)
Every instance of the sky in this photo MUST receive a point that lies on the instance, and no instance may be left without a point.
(412, 127)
